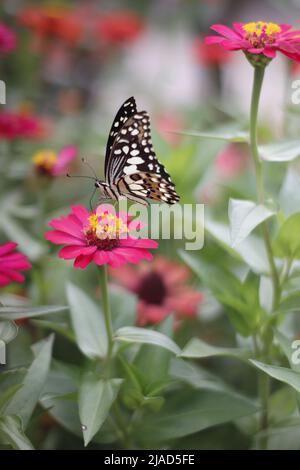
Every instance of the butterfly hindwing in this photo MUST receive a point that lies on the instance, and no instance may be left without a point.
(127, 110)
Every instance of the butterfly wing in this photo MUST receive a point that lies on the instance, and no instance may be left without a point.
(127, 110)
(134, 167)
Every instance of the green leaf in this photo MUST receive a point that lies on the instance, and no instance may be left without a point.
(123, 307)
(27, 244)
(153, 362)
(88, 323)
(8, 331)
(198, 349)
(245, 216)
(251, 250)
(142, 335)
(287, 242)
(11, 433)
(289, 195)
(25, 400)
(95, 399)
(284, 151)
(196, 376)
(283, 374)
(219, 134)
(192, 411)
(288, 347)
(14, 313)
(7, 395)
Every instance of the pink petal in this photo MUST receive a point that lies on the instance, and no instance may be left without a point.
(109, 208)
(70, 252)
(138, 243)
(133, 255)
(81, 213)
(269, 52)
(65, 156)
(61, 238)
(213, 39)
(7, 248)
(256, 50)
(226, 32)
(14, 275)
(101, 257)
(65, 224)
(4, 280)
(284, 27)
(82, 261)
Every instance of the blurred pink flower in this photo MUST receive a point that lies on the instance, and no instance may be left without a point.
(231, 161)
(8, 39)
(168, 124)
(162, 289)
(102, 237)
(258, 38)
(50, 163)
(19, 125)
(11, 263)
(120, 27)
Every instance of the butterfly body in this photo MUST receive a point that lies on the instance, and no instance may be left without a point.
(132, 169)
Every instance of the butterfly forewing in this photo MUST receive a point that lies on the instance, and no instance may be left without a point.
(127, 110)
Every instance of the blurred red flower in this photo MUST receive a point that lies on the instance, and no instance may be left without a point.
(11, 263)
(20, 125)
(51, 163)
(8, 40)
(120, 27)
(53, 22)
(102, 237)
(210, 55)
(162, 289)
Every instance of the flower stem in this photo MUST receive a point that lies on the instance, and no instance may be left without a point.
(264, 380)
(106, 308)
(257, 85)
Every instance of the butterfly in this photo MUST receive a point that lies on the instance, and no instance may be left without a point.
(131, 168)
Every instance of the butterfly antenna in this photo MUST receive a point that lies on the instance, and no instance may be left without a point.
(91, 200)
(80, 176)
(84, 160)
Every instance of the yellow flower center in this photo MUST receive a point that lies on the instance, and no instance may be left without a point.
(260, 33)
(105, 229)
(261, 27)
(45, 159)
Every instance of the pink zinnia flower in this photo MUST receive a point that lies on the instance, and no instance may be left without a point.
(11, 263)
(258, 38)
(50, 163)
(162, 289)
(8, 40)
(102, 237)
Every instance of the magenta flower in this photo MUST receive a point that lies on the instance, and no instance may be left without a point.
(102, 237)
(18, 125)
(8, 40)
(50, 163)
(258, 38)
(11, 263)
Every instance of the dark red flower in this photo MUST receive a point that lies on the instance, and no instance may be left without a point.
(11, 263)
(19, 125)
(8, 40)
(162, 289)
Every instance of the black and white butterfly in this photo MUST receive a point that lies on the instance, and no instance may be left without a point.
(132, 169)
